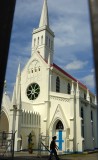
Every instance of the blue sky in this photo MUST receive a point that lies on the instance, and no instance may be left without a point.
(69, 19)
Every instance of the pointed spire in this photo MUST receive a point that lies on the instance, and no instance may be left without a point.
(44, 20)
(14, 97)
(88, 96)
(77, 89)
(18, 72)
(72, 88)
(49, 59)
(5, 86)
(19, 97)
(18, 79)
(95, 100)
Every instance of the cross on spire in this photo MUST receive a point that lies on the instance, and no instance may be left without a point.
(44, 20)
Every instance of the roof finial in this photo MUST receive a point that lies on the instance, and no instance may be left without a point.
(44, 20)
(5, 86)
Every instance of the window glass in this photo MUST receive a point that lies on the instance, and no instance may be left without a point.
(69, 88)
(41, 39)
(59, 125)
(57, 84)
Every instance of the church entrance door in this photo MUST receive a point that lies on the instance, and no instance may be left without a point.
(59, 134)
(60, 139)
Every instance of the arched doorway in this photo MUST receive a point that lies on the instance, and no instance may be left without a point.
(4, 124)
(58, 130)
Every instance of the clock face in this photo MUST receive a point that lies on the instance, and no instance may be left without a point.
(33, 91)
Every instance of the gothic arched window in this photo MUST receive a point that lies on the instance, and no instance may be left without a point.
(34, 41)
(46, 40)
(82, 122)
(57, 84)
(38, 41)
(84, 95)
(59, 125)
(82, 114)
(91, 99)
(49, 42)
(68, 88)
(91, 115)
(92, 124)
(41, 39)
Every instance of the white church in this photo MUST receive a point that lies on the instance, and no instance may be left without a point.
(48, 101)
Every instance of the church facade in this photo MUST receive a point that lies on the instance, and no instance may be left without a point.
(48, 100)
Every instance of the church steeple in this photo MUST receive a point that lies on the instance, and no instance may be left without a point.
(44, 20)
(43, 37)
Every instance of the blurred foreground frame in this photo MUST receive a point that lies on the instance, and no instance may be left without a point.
(93, 6)
(7, 8)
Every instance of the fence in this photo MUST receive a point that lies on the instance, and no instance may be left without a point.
(7, 144)
(43, 145)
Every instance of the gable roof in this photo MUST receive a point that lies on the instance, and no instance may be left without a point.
(65, 73)
(68, 75)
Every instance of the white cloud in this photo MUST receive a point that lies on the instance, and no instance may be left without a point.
(70, 22)
(93, 70)
(75, 65)
(89, 80)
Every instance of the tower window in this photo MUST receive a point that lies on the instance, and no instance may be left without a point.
(38, 41)
(49, 42)
(59, 125)
(57, 84)
(41, 39)
(46, 40)
(39, 68)
(34, 41)
(68, 88)
(35, 69)
(32, 70)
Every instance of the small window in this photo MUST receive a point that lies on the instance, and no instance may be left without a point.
(57, 84)
(82, 130)
(41, 39)
(68, 88)
(34, 41)
(49, 42)
(82, 122)
(92, 124)
(39, 68)
(84, 95)
(35, 69)
(46, 40)
(59, 125)
(91, 99)
(91, 115)
(38, 41)
(32, 70)
(82, 114)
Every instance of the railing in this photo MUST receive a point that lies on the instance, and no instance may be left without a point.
(43, 144)
(7, 144)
